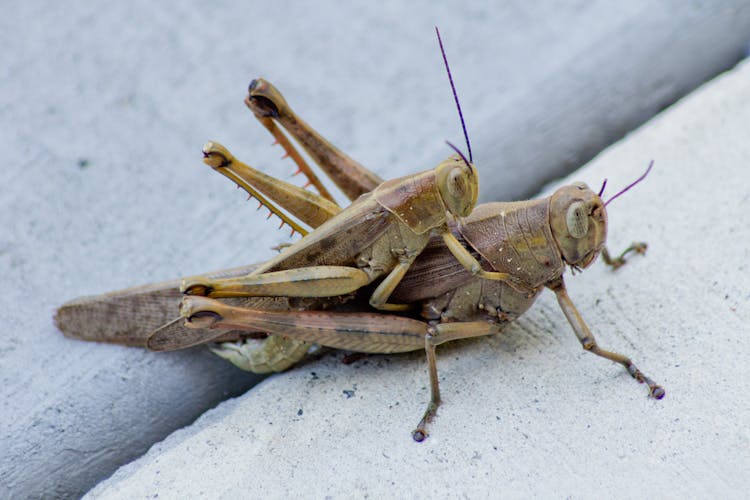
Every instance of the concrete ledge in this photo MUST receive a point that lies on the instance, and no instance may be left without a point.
(528, 414)
(105, 111)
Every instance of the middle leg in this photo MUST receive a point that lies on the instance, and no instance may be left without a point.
(360, 332)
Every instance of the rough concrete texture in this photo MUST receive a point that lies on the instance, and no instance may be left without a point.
(528, 413)
(104, 111)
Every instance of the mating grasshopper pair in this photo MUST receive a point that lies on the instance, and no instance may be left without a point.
(410, 264)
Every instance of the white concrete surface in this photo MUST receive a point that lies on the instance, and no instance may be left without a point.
(104, 111)
(528, 413)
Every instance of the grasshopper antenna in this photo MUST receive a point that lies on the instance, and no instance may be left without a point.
(639, 179)
(601, 191)
(458, 151)
(455, 97)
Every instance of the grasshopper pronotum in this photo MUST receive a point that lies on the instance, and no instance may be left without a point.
(452, 269)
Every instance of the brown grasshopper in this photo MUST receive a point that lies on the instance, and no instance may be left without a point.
(451, 276)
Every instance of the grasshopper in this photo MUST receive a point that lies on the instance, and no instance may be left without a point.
(443, 269)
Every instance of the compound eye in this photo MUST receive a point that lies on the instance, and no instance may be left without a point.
(577, 220)
(458, 184)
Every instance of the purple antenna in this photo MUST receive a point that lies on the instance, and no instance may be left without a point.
(639, 179)
(455, 96)
(601, 191)
(454, 148)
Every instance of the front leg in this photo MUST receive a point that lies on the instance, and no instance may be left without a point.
(638, 247)
(589, 342)
(474, 267)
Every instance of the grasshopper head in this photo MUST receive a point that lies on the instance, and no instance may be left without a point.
(578, 219)
(458, 184)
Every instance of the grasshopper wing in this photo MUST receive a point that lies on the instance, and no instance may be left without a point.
(127, 317)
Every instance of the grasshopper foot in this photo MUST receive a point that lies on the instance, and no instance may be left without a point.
(654, 390)
(638, 247)
(420, 433)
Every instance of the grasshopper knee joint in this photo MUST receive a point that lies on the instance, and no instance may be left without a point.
(588, 343)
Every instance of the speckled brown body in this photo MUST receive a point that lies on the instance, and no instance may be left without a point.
(442, 268)
(513, 237)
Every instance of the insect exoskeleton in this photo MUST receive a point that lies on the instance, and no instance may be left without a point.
(578, 219)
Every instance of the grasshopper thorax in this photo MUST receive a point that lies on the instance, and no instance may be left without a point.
(578, 220)
(458, 185)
